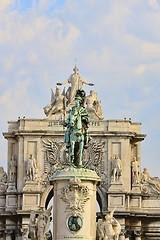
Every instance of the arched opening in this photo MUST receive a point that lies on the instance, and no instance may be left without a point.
(101, 198)
(48, 199)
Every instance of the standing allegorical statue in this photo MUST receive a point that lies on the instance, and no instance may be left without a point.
(39, 227)
(116, 171)
(76, 136)
(43, 223)
(31, 170)
(3, 175)
(12, 169)
(135, 171)
(76, 82)
(32, 225)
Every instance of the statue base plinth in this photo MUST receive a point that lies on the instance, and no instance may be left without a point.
(116, 187)
(136, 188)
(31, 186)
(11, 188)
(74, 203)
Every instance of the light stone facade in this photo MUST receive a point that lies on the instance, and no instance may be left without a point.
(36, 150)
(137, 206)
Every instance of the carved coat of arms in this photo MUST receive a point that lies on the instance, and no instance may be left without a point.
(75, 195)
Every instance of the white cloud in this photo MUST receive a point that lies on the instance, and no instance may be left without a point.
(4, 4)
(154, 4)
(15, 96)
(140, 69)
(116, 44)
(148, 89)
(102, 57)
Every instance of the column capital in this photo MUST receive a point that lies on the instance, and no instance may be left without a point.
(128, 233)
(138, 233)
(8, 231)
(123, 232)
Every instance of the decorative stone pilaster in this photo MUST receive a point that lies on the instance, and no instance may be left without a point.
(74, 204)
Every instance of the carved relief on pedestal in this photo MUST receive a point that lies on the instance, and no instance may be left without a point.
(149, 185)
(75, 195)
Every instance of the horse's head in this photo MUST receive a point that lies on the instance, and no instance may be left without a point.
(75, 120)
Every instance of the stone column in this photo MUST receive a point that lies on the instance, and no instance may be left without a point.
(8, 233)
(74, 204)
(122, 235)
(128, 234)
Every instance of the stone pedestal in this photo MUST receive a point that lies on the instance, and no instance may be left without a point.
(116, 187)
(136, 188)
(11, 187)
(74, 204)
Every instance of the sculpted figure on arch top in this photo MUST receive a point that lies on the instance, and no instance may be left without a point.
(61, 102)
(76, 82)
(56, 106)
(94, 107)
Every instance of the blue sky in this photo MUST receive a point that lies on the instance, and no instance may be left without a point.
(117, 46)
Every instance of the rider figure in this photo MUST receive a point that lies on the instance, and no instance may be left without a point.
(77, 112)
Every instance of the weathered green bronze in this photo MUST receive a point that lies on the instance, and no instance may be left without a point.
(76, 136)
(75, 223)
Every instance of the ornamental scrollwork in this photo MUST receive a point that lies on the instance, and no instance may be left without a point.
(75, 195)
(149, 185)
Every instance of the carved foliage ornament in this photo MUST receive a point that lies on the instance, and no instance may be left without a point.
(75, 195)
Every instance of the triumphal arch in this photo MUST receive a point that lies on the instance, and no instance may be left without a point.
(37, 151)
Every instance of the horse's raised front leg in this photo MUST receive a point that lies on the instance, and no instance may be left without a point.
(72, 151)
(81, 146)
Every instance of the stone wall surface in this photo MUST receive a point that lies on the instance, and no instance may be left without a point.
(36, 151)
